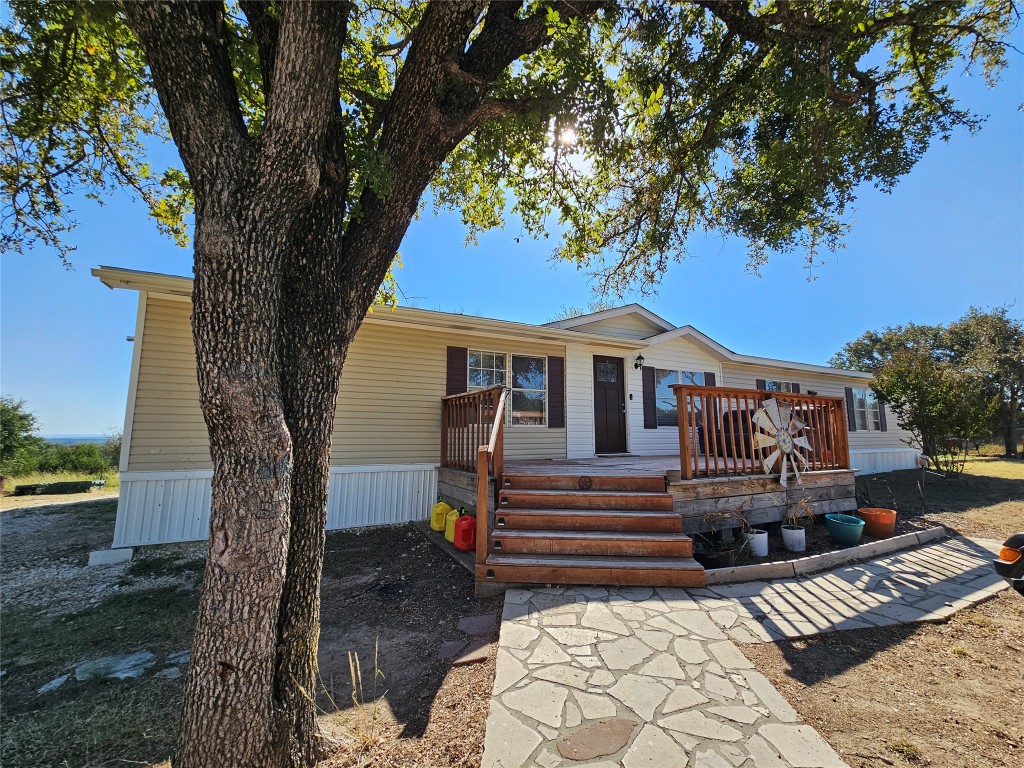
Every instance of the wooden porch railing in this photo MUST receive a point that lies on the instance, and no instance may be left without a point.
(716, 432)
(473, 440)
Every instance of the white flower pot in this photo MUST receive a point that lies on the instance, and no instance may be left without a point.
(758, 542)
(794, 538)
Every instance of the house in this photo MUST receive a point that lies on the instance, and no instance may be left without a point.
(576, 390)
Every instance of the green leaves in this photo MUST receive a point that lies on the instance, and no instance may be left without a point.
(758, 121)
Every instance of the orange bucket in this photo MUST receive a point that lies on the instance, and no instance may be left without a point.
(878, 523)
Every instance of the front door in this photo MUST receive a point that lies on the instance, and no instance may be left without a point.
(609, 405)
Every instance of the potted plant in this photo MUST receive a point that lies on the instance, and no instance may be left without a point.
(794, 526)
(720, 547)
(844, 529)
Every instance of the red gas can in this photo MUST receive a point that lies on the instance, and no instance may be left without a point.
(465, 533)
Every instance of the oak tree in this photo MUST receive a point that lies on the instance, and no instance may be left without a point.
(308, 134)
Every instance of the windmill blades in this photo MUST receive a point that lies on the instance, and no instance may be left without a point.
(762, 420)
(796, 469)
(782, 473)
(802, 442)
(769, 463)
(795, 425)
(761, 440)
(803, 459)
(771, 407)
(785, 415)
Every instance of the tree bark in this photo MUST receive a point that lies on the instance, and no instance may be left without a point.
(1010, 431)
(227, 714)
(283, 280)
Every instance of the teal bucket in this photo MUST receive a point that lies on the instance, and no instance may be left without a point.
(844, 529)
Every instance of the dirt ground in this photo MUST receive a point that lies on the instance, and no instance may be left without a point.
(987, 501)
(943, 695)
(10, 502)
(940, 695)
(388, 595)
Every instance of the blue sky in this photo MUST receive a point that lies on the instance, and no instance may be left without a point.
(949, 236)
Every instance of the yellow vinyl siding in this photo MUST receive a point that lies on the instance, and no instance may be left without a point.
(389, 407)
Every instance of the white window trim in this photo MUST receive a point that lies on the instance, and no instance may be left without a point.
(679, 376)
(870, 424)
(509, 388)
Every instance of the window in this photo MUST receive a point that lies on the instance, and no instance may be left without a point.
(666, 398)
(486, 369)
(528, 397)
(778, 386)
(865, 410)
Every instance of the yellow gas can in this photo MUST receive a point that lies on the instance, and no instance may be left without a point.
(438, 515)
(449, 524)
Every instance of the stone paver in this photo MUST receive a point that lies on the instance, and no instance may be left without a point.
(641, 678)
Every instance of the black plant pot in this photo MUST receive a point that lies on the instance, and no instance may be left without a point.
(724, 558)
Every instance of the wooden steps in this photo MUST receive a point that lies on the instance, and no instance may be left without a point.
(564, 569)
(547, 499)
(587, 520)
(577, 529)
(584, 483)
(592, 543)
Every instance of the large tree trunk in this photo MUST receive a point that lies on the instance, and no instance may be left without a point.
(1010, 431)
(315, 336)
(228, 715)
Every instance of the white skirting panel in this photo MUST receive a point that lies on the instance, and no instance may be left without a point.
(871, 461)
(165, 507)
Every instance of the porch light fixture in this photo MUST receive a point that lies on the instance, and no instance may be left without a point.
(639, 363)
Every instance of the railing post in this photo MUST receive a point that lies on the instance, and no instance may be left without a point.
(683, 421)
(444, 433)
(482, 505)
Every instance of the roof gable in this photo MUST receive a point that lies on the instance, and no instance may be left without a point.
(641, 314)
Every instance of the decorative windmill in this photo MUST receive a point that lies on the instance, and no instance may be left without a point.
(782, 434)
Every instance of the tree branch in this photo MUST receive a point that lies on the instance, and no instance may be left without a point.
(189, 62)
(266, 30)
(305, 94)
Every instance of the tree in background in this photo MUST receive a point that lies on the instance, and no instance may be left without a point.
(309, 133)
(990, 344)
(17, 428)
(942, 406)
(985, 349)
(872, 350)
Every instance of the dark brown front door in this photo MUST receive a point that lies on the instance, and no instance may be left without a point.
(609, 405)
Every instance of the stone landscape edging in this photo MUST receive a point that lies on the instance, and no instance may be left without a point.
(813, 563)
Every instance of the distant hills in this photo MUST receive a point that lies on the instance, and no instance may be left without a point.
(75, 439)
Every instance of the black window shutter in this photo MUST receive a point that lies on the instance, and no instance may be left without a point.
(709, 379)
(457, 379)
(851, 420)
(759, 384)
(795, 387)
(556, 392)
(650, 399)
(881, 415)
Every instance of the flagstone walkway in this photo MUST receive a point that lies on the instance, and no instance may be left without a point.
(634, 677)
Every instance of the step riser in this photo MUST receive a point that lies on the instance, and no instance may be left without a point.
(566, 521)
(583, 483)
(620, 548)
(532, 574)
(510, 499)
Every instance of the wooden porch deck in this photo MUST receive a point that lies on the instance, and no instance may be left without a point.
(667, 466)
(624, 519)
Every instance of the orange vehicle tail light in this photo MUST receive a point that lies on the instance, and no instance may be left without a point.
(1009, 555)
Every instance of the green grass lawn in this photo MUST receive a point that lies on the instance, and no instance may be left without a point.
(111, 477)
